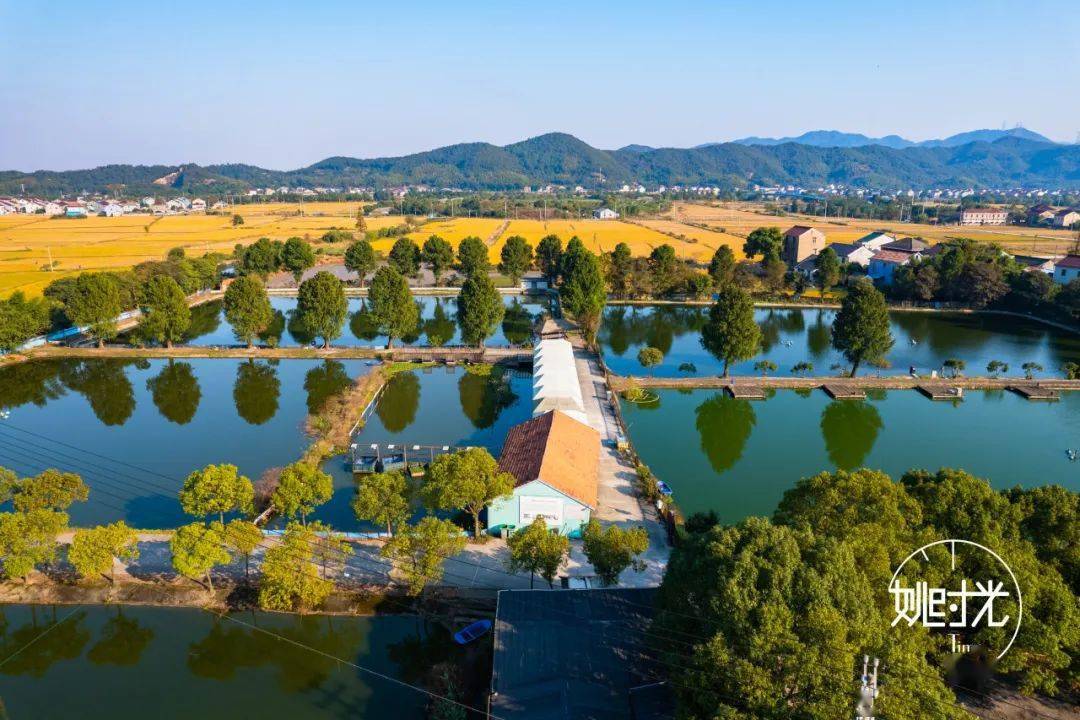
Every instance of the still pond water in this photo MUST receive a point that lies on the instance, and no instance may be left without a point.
(438, 324)
(135, 429)
(737, 457)
(789, 336)
(140, 662)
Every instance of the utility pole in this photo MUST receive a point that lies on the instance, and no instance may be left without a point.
(868, 690)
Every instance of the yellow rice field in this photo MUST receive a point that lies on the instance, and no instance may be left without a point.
(29, 243)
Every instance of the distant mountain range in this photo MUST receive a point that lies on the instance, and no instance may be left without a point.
(837, 139)
(984, 158)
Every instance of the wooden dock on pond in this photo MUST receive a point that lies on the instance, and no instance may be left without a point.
(1035, 392)
(745, 391)
(941, 391)
(838, 391)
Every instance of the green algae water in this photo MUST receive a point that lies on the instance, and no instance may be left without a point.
(924, 340)
(737, 457)
(139, 662)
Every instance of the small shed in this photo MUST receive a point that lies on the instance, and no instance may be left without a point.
(534, 281)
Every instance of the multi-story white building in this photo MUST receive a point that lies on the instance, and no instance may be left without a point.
(983, 216)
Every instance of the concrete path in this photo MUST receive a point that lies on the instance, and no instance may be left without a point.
(618, 500)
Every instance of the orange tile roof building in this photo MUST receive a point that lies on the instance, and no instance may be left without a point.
(554, 460)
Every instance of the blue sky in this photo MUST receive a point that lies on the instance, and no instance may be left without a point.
(284, 84)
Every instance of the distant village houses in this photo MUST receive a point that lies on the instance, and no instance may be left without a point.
(983, 216)
(1067, 218)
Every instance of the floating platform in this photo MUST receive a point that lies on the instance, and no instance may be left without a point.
(1035, 392)
(844, 392)
(746, 392)
(941, 392)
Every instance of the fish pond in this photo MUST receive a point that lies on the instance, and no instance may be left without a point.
(737, 457)
(137, 662)
(924, 340)
(438, 324)
(134, 429)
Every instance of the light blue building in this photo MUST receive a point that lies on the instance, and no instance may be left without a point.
(554, 460)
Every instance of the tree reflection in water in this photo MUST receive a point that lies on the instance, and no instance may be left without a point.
(122, 641)
(517, 324)
(850, 429)
(105, 385)
(256, 391)
(399, 401)
(440, 327)
(323, 382)
(36, 646)
(484, 395)
(175, 392)
(724, 425)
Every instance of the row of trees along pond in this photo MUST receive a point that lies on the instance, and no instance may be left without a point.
(297, 572)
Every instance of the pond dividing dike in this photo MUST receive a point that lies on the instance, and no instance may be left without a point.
(751, 387)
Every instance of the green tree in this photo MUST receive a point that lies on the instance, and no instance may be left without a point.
(722, 266)
(361, 223)
(955, 366)
(538, 550)
(1030, 368)
(405, 257)
(216, 490)
(473, 256)
(261, 258)
(650, 357)
(663, 265)
(48, 490)
(439, 256)
(620, 270)
(827, 265)
(247, 308)
(94, 302)
(549, 256)
(764, 241)
(330, 550)
(765, 367)
(290, 579)
(28, 539)
(337, 235)
(392, 306)
(583, 293)
(94, 550)
(480, 309)
(996, 366)
(166, 315)
(420, 550)
(468, 480)
(21, 319)
(237, 220)
(613, 549)
(322, 306)
(516, 258)
(731, 334)
(861, 329)
(301, 488)
(382, 498)
(360, 259)
(296, 257)
(243, 536)
(197, 549)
